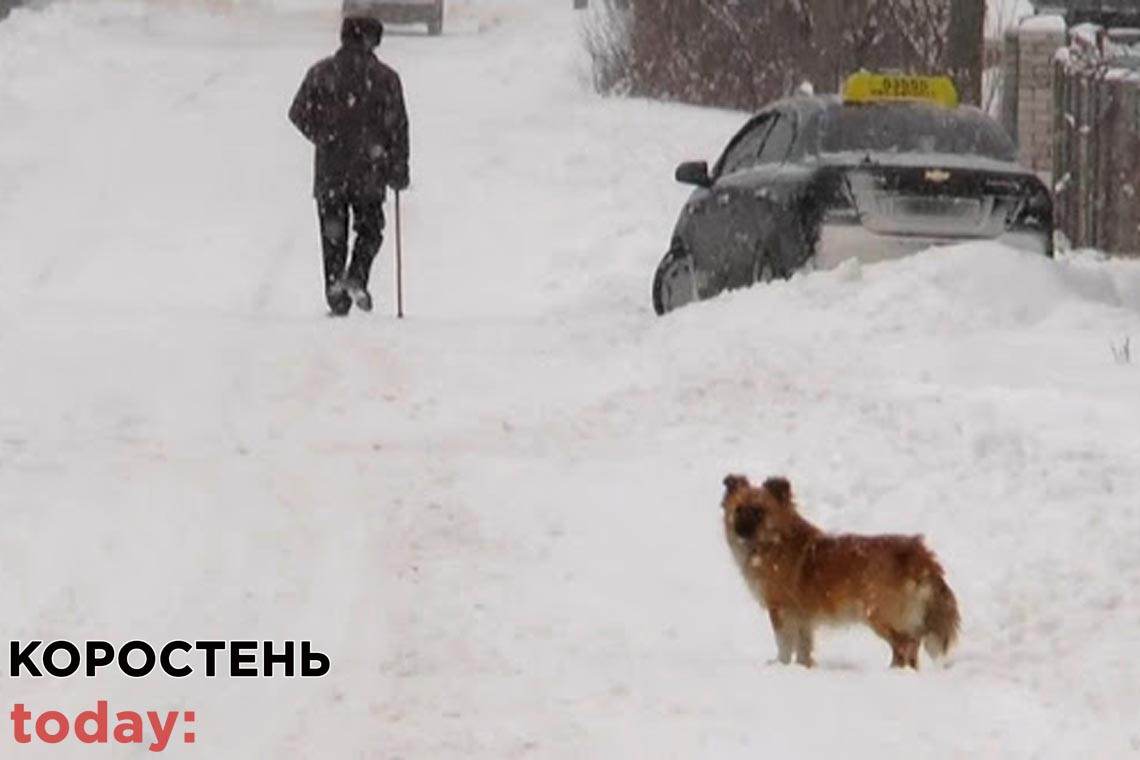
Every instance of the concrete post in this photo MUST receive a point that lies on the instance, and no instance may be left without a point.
(1039, 37)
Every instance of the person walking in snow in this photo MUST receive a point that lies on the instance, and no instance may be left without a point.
(350, 106)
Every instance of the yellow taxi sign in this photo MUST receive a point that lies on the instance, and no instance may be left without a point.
(865, 87)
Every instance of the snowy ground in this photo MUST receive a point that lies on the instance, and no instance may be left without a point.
(499, 517)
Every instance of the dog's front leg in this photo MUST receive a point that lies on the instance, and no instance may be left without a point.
(785, 635)
(805, 640)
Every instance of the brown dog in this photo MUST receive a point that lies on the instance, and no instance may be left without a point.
(807, 578)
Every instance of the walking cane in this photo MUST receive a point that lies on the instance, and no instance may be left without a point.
(399, 264)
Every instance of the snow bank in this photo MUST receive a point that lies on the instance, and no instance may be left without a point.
(1052, 23)
(1005, 14)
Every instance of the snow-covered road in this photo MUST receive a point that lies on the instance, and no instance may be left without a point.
(499, 517)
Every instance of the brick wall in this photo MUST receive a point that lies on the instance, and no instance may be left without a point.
(1011, 56)
(1028, 108)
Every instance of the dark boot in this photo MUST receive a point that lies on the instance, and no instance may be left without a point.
(359, 295)
(368, 223)
(338, 298)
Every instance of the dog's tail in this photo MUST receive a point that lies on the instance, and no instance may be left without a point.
(941, 621)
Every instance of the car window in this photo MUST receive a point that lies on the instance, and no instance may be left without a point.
(745, 151)
(807, 137)
(779, 140)
(913, 129)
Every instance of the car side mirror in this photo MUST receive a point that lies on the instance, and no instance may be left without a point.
(694, 173)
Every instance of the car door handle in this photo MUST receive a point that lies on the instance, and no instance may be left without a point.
(723, 199)
(763, 194)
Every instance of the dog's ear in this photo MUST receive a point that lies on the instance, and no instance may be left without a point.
(780, 489)
(733, 483)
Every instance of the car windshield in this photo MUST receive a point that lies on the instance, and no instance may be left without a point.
(912, 129)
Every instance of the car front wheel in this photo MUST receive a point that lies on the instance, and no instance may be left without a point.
(675, 283)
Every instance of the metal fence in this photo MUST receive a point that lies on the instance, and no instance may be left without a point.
(1106, 12)
(1096, 135)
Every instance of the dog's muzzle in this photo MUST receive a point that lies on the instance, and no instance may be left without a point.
(747, 521)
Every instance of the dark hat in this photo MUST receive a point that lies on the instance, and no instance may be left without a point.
(361, 30)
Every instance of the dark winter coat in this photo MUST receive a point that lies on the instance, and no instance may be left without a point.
(351, 107)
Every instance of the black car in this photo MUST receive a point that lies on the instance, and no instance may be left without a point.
(427, 12)
(891, 167)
